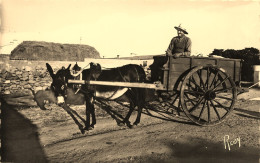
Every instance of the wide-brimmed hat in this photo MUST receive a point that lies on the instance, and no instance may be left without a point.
(181, 29)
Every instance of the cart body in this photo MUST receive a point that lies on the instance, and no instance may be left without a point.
(170, 72)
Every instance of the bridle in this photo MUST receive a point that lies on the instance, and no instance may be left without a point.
(61, 82)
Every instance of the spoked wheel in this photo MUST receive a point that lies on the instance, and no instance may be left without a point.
(207, 95)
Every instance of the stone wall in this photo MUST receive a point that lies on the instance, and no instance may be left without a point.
(22, 76)
(17, 80)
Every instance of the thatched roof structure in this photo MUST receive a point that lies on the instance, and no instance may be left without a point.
(48, 51)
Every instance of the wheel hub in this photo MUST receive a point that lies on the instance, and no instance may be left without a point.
(210, 95)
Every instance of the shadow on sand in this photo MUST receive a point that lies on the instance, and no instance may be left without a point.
(118, 117)
(247, 113)
(19, 137)
(152, 110)
(198, 150)
(201, 150)
(169, 114)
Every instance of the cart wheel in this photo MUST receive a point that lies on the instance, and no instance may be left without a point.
(207, 95)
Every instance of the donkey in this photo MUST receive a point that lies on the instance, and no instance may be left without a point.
(126, 73)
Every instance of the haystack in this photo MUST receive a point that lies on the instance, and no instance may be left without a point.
(48, 51)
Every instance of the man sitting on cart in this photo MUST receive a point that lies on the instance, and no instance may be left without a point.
(179, 45)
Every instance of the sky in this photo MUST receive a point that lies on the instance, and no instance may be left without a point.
(131, 27)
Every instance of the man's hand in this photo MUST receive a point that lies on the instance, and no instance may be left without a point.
(168, 54)
(175, 55)
(178, 54)
(172, 55)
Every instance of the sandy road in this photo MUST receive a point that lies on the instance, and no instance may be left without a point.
(159, 138)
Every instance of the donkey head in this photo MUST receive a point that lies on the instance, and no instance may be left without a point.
(59, 82)
(95, 70)
(76, 67)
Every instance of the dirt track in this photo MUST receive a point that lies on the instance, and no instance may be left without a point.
(35, 135)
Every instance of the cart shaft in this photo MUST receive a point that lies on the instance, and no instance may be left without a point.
(120, 84)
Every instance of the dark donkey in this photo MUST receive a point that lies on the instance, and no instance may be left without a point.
(127, 73)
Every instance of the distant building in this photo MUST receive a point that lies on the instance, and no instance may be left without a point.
(4, 57)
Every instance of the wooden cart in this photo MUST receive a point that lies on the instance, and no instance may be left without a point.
(204, 88)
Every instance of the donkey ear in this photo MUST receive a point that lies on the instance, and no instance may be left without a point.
(50, 70)
(68, 67)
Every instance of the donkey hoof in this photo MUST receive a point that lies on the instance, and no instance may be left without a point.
(81, 128)
(89, 128)
(43, 108)
(176, 115)
(132, 126)
(121, 123)
(82, 131)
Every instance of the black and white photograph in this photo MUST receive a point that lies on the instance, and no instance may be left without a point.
(130, 81)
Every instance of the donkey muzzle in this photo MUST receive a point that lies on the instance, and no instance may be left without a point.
(60, 100)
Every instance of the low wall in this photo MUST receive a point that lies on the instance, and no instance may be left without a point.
(257, 75)
(21, 76)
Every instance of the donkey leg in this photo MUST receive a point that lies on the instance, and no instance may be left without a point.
(140, 104)
(93, 115)
(88, 112)
(138, 118)
(126, 119)
(87, 124)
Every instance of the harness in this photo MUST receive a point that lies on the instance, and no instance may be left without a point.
(138, 77)
(79, 77)
(79, 87)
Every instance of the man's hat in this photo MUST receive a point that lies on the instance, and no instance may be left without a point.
(181, 29)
